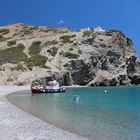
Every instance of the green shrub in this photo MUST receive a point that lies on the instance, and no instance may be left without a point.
(38, 60)
(34, 28)
(46, 67)
(36, 43)
(115, 31)
(4, 31)
(26, 31)
(53, 51)
(3, 38)
(25, 25)
(35, 48)
(13, 55)
(20, 45)
(67, 38)
(129, 41)
(18, 67)
(71, 55)
(30, 66)
(71, 41)
(71, 49)
(80, 51)
(53, 42)
(49, 29)
(87, 33)
(10, 43)
(61, 53)
(109, 32)
(75, 43)
(10, 80)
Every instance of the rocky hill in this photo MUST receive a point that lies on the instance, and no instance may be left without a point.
(87, 57)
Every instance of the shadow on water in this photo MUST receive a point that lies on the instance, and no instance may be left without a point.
(108, 113)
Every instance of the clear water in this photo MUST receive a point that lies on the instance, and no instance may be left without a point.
(113, 114)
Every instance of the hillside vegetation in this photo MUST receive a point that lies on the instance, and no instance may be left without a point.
(92, 56)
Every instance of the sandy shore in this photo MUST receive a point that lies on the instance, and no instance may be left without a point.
(16, 124)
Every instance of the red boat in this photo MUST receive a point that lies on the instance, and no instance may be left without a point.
(52, 88)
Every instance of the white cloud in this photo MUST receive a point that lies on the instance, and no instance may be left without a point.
(61, 22)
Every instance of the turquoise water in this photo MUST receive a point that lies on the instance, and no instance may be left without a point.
(113, 114)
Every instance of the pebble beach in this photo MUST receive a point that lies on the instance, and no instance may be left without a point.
(15, 124)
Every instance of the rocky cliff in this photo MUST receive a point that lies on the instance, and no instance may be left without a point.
(87, 57)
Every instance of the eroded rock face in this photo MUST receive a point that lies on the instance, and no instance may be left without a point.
(131, 63)
(88, 57)
(135, 80)
(80, 72)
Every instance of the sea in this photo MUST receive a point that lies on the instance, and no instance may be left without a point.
(98, 113)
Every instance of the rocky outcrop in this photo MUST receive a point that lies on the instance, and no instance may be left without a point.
(93, 57)
(135, 79)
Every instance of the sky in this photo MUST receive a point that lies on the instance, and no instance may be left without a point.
(123, 15)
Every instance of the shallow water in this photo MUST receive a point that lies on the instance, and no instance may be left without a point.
(109, 113)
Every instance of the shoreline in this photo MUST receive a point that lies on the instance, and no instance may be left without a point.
(16, 124)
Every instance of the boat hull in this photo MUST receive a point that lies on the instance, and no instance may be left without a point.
(45, 90)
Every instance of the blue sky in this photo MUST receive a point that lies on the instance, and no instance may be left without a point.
(75, 14)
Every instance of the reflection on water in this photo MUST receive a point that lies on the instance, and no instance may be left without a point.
(91, 112)
(75, 99)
